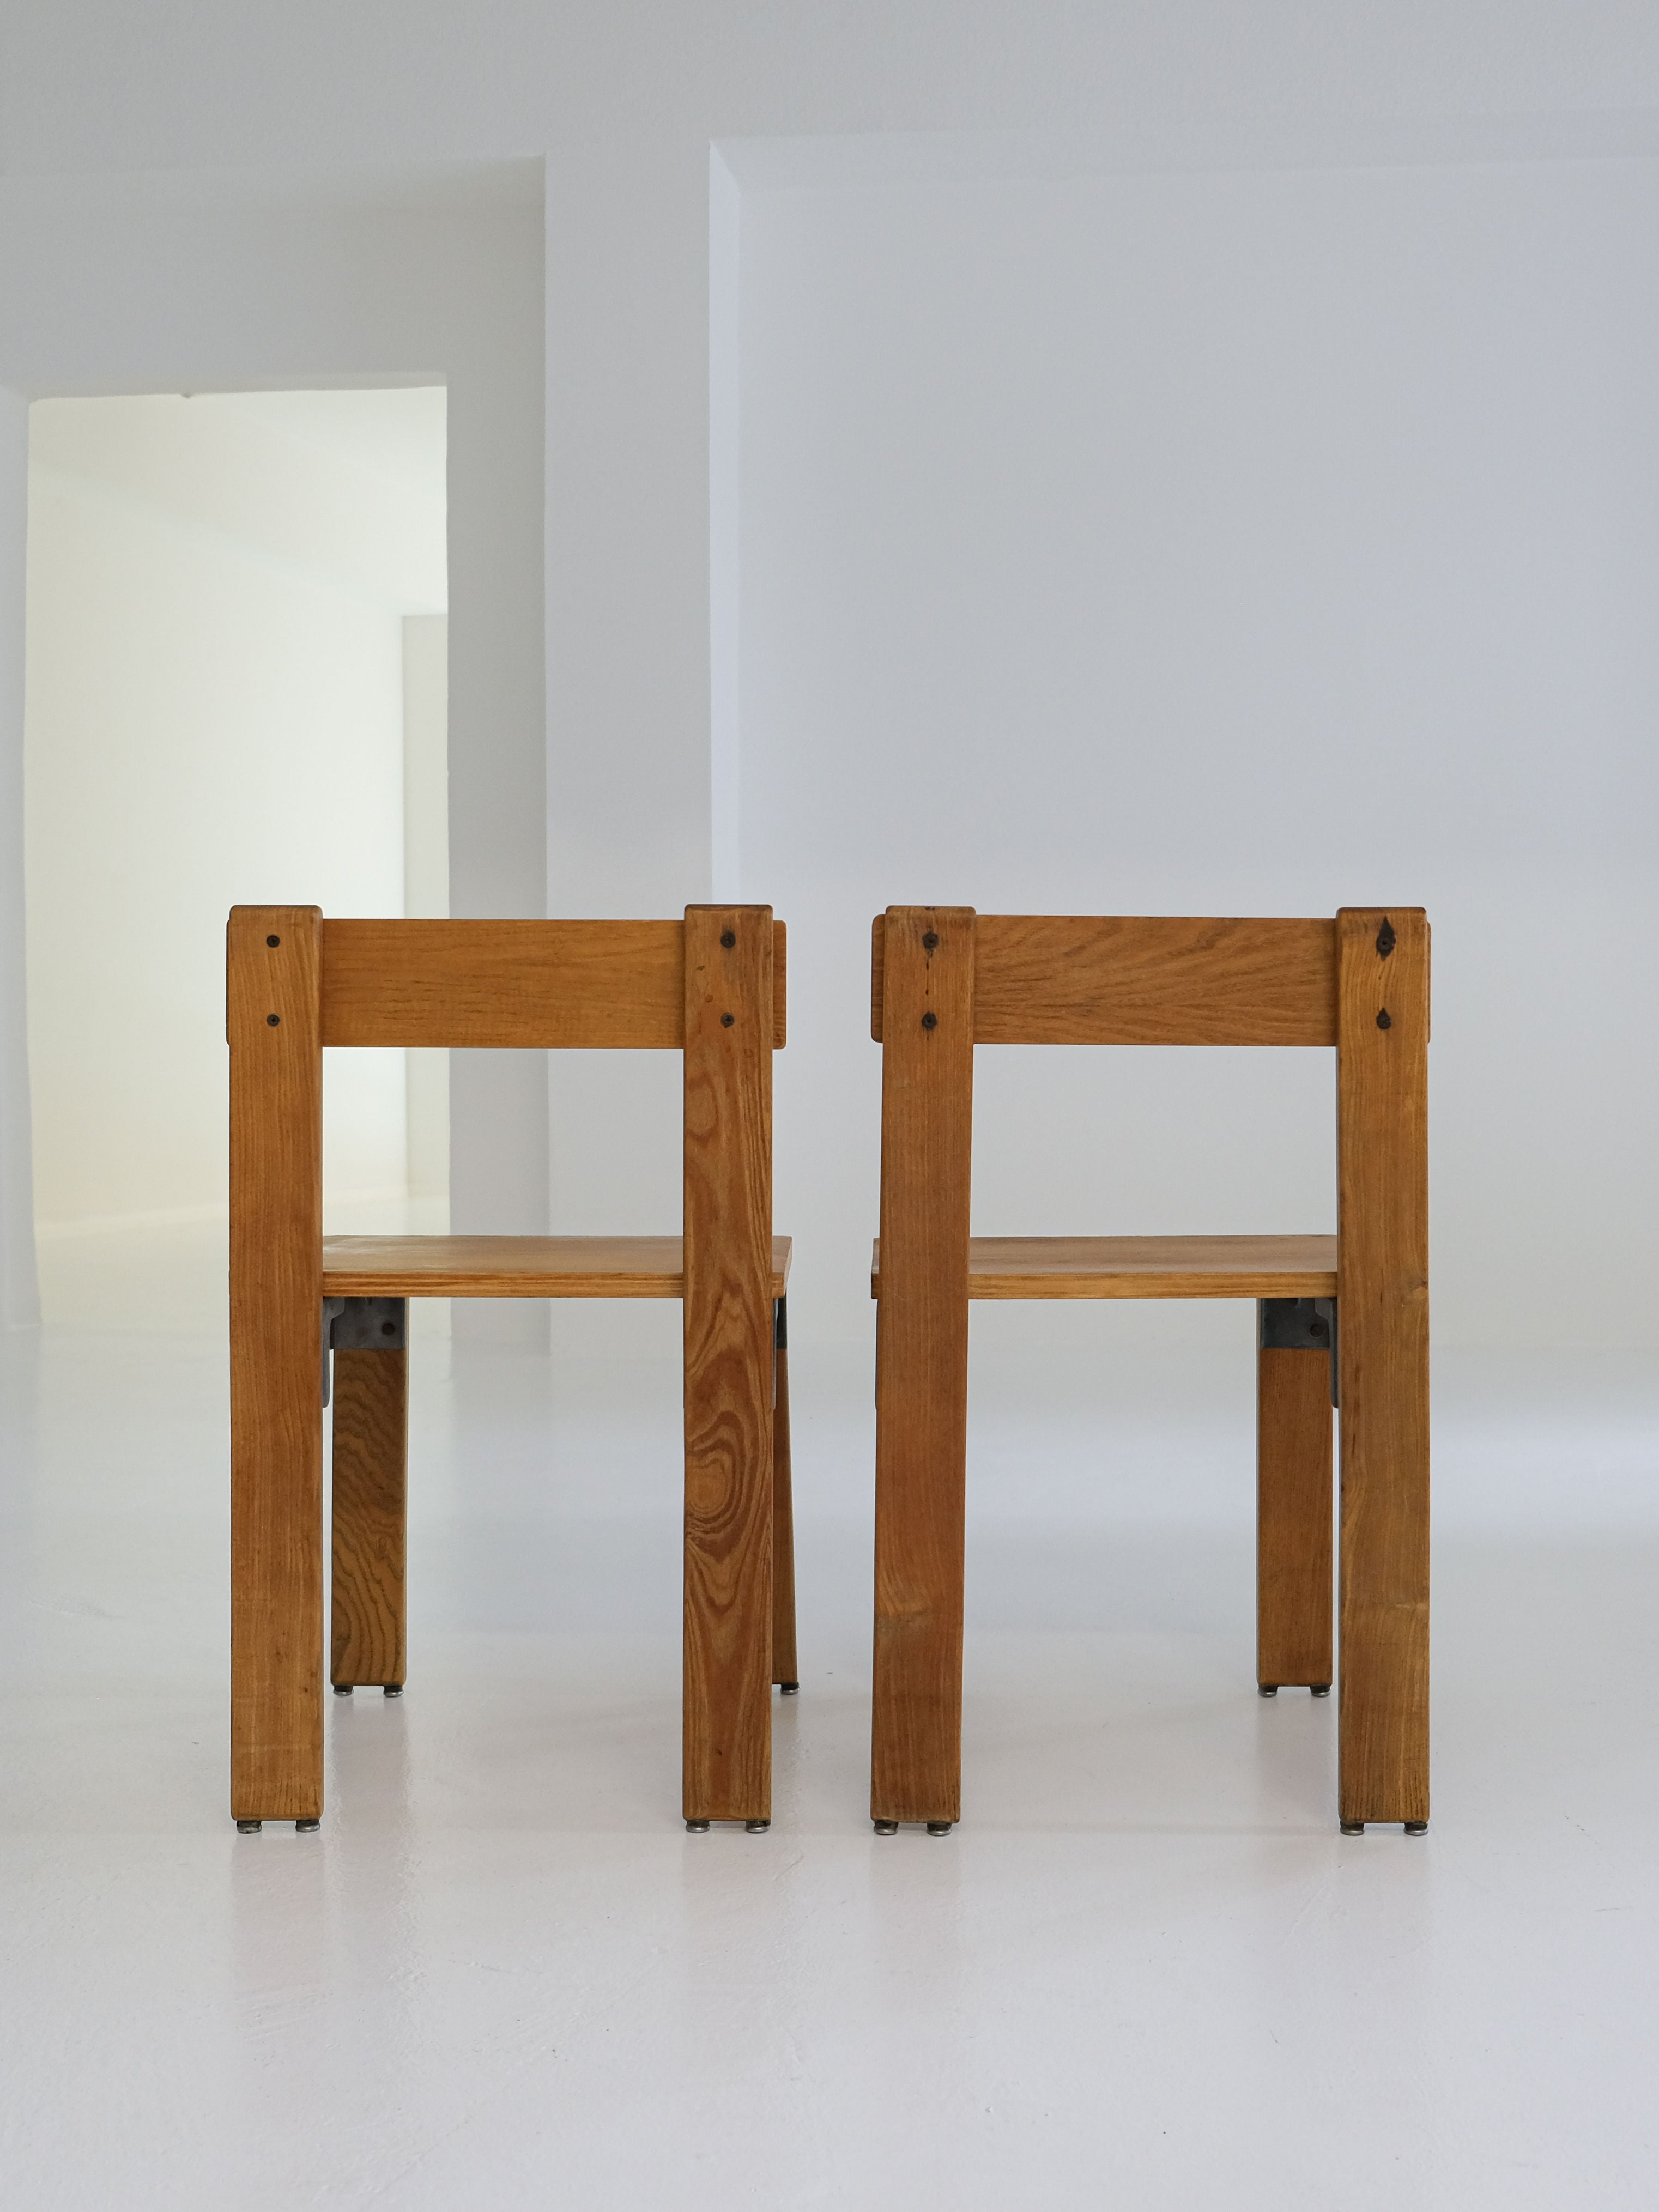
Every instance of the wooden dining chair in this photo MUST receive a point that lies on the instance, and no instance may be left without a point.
(1350, 1309)
(712, 987)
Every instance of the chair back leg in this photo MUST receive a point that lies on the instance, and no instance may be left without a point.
(727, 1768)
(921, 1363)
(1383, 1290)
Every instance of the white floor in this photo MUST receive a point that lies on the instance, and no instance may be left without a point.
(1145, 1970)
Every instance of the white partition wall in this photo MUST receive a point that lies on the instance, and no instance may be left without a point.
(1253, 541)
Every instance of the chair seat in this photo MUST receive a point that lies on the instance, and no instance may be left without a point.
(1145, 1267)
(515, 1266)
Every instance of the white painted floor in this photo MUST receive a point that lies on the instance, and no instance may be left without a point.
(1146, 1970)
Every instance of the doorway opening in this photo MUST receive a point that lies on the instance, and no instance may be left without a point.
(236, 693)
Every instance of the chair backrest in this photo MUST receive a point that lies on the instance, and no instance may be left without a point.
(711, 987)
(944, 978)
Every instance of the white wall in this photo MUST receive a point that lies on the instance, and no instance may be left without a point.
(19, 1301)
(216, 713)
(1246, 543)
(180, 186)
(426, 887)
(329, 277)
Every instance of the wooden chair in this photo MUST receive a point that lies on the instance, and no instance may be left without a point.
(946, 979)
(711, 987)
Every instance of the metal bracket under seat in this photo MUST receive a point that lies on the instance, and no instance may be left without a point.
(361, 1325)
(1298, 1325)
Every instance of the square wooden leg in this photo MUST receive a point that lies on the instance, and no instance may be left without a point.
(921, 1364)
(1383, 1292)
(786, 1670)
(277, 1571)
(921, 1517)
(371, 1499)
(729, 1352)
(273, 1026)
(1295, 1511)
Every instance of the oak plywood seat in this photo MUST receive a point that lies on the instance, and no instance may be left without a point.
(516, 1266)
(711, 988)
(1340, 1318)
(1145, 1267)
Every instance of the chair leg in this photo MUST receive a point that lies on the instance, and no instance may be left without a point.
(921, 1364)
(729, 1331)
(1382, 1225)
(921, 1518)
(273, 974)
(1294, 1515)
(277, 1571)
(371, 1490)
(784, 1669)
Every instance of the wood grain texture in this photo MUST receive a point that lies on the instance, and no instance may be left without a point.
(1383, 1361)
(1295, 1517)
(1124, 979)
(785, 1666)
(921, 1362)
(515, 1266)
(275, 1393)
(371, 1500)
(728, 1318)
(523, 985)
(1146, 1267)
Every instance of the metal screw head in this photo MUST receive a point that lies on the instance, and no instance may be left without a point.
(930, 1021)
(273, 940)
(388, 1329)
(728, 937)
(930, 941)
(726, 1020)
(1385, 1020)
(273, 1021)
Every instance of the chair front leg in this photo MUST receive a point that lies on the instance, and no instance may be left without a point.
(786, 1671)
(1294, 1497)
(371, 1502)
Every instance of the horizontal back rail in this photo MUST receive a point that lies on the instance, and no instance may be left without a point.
(513, 985)
(1109, 979)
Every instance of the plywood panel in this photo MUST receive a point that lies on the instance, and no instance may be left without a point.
(523, 985)
(276, 1374)
(1090, 978)
(515, 1266)
(1146, 1267)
